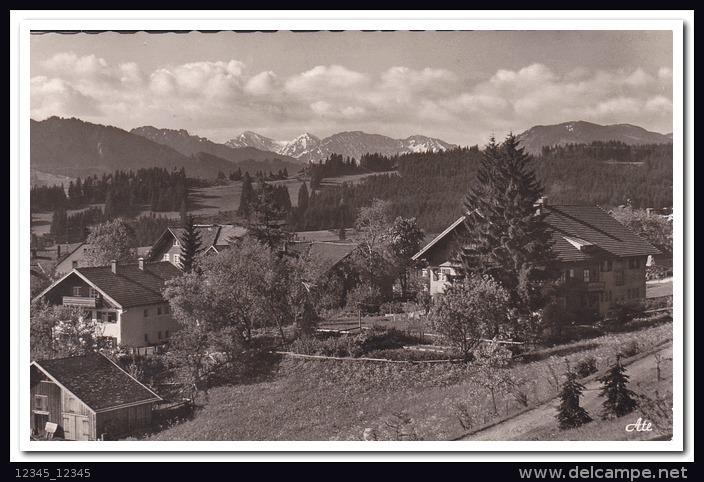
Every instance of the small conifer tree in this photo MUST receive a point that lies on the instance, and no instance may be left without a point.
(619, 399)
(569, 413)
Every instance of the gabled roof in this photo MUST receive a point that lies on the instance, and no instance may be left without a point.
(590, 224)
(97, 381)
(579, 232)
(217, 235)
(329, 253)
(130, 286)
(439, 237)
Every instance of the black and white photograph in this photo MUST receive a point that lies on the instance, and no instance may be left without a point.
(410, 235)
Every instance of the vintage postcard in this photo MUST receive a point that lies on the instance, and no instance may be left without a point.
(351, 235)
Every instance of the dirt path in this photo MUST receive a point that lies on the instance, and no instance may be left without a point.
(543, 419)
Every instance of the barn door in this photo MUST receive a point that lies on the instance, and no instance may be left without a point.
(76, 427)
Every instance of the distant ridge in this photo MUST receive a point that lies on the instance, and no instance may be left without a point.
(581, 132)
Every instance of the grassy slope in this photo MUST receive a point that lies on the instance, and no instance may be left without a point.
(331, 400)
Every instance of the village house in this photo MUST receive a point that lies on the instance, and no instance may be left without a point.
(125, 300)
(76, 258)
(213, 239)
(87, 398)
(601, 261)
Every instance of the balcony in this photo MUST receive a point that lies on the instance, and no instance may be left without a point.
(594, 286)
(80, 301)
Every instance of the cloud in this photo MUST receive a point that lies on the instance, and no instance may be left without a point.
(217, 95)
(332, 81)
(264, 83)
(659, 103)
(51, 96)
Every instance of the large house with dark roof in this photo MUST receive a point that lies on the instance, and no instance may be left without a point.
(125, 300)
(602, 261)
(87, 398)
(214, 238)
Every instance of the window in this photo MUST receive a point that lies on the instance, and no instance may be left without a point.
(41, 403)
(176, 243)
(146, 338)
(571, 273)
(159, 335)
(167, 309)
(563, 276)
(167, 333)
(86, 428)
(146, 312)
(166, 257)
(93, 293)
(177, 258)
(586, 275)
(633, 263)
(72, 404)
(607, 265)
(77, 291)
(107, 316)
(637, 292)
(74, 264)
(618, 278)
(629, 294)
(158, 311)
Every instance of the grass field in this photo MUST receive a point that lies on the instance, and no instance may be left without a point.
(336, 400)
(207, 201)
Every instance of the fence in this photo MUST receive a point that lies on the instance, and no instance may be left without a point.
(365, 359)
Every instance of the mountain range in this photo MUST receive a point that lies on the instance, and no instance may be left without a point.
(72, 147)
(355, 144)
(581, 132)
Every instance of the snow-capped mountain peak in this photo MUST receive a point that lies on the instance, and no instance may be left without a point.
(308, 147)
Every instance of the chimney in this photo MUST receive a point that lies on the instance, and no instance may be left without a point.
(538, 205)
(58, 251)
(141, 263)
(113, 266)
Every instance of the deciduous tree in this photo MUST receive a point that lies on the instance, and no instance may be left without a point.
(471, 310)
(112, 240)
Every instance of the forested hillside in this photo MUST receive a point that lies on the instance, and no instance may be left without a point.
(431, 186)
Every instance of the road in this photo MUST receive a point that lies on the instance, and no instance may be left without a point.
(542, 418)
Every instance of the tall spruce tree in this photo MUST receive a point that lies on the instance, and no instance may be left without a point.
(247, 197)
(569, 413)
(619, 399)
(506, 237)
(303, 198)
(190, 245)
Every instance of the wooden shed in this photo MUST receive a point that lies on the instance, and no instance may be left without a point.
(88, 398)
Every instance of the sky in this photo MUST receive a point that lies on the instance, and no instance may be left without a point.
(459, 86)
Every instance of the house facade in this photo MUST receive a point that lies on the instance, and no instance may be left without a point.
(125, 301)
(87, 398)
(214, 238)
(601, 261)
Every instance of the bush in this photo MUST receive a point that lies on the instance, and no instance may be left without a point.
(379, 338)
(337, 346)
(586, 366)
(410, 355)
(373, 340)
(630, 349)
(622, 312)
(364, 298)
